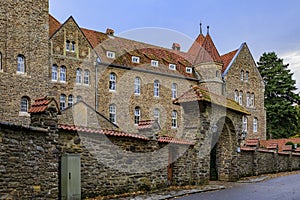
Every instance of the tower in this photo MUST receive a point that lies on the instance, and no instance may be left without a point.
(24, 34)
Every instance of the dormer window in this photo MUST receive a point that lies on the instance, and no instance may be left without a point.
(110, 54)
(135, 59)
(154, 63)
(172, 66)
(188, 70)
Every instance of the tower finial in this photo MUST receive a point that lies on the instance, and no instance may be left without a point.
(207, 30)
(200, 28)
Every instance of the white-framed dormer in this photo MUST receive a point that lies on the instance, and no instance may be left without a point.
(135, 59)
(172, 66)
(110, 54)
(154, 63)
(189, 70)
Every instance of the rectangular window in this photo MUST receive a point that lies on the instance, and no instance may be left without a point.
(137, 115)
(62, 74)
(112, 113)
(21, 64)
(156, 88)
(137, 86)
(24, 105)
(188, 70)
(174, 91)
(86, 77)
(241, 98)
(110, 54)
(174, 119)
(112, 82)
(255, 125)
(154, 63)
(54, 73)
(172, 67)
(135, 59)
(78, 76)
(245, 123)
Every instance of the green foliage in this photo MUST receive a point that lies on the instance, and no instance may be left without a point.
(282, 115)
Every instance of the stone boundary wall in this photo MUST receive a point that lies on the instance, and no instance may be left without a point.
(261, 161)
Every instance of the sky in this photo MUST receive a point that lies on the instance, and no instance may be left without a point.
(265, 25)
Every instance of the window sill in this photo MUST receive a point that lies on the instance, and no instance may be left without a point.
(112, 90)
(24, 114)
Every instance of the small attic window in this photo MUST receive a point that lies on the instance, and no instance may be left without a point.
(188, 70)
(154, 63)
(172, 66)
(135, 59)
(110, 54)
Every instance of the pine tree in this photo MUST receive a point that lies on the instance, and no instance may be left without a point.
(282, 116)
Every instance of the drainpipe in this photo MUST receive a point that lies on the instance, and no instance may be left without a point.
(96, 82)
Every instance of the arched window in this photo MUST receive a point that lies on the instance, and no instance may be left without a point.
(112, 113)
(242, 75)
(241, 97)
(73, 46)
(236, 96)
(137, 86)
(68, 45)
(248, 101)
(156, 114)
(174, 90)
(112, 82)
(245, 123)
(54, 73)
(78, 98)
(174, 119)
(62, 102)
(24, 106)
(78, 76)
(70, 100)
(21, 64)
(86, 77)
(62, 74)
(247, 76)
(156, 88)
(255, 125)
(252, 100)
(137, 115)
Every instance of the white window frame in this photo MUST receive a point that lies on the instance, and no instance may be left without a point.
(63, 74)
(245, 123)
(112, 82)
(62, 101)
(78, 76)
(174, 119)
(236, 96)
(135, 59)
(54, 70)
(73, 46)
(255, 125)
(110, 54)
(248, 100)
(86, 77)
(154, 63)
(156, 88)
(156, 114)
(172, 66)
(241, 97)
(189, 70)
(252, 99)
(137, 115)
(174, 90)
(242, 75)
(113, 113)
(137, 86)
(24, 105)
(21, 64)
(247, 76)
(70, 100)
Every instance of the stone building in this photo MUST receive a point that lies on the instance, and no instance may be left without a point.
(197, 95)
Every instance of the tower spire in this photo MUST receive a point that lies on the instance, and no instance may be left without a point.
(207, 30)
(200, 28)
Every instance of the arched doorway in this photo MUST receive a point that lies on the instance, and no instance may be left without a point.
(223, 152)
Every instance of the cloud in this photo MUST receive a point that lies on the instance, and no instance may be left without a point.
(293, 59)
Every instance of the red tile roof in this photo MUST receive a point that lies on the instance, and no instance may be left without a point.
(146, 124)
(197, 93)
(227, 58)
(252, 142)
(175, 141)
(54, 25)
(41, 104)
(100, 131)
(196, 46)
(280, 142)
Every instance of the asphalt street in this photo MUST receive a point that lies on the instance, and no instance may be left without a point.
(286, 188)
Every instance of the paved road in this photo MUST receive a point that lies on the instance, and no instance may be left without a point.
(282, 188)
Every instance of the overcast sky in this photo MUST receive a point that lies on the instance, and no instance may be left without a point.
(265, 25)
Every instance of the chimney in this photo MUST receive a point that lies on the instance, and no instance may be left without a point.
(110, 31)
(176, 46)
